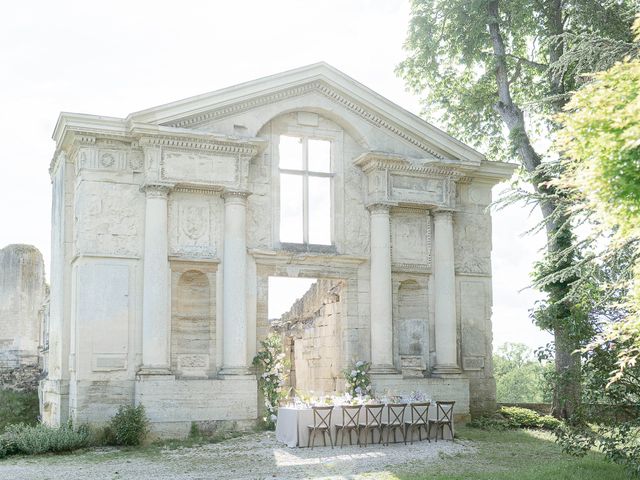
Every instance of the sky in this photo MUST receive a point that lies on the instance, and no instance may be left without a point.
(113, 58)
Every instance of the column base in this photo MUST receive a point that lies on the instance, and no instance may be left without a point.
(446, 369)
(234, 371)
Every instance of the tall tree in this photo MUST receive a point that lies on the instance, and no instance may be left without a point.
(494, 71)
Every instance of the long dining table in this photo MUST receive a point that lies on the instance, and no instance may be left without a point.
(293, 421)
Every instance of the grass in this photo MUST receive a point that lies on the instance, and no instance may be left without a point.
(521, 454)
(18, 407)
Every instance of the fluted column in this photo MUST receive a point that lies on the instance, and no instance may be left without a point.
(234, 284)
(381, 298)
(156, 289)
(444, 294)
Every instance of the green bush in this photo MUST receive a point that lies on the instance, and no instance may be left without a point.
(37, 439)
(521, 417)
(525, 418)
(515, 417)
(549, 423)
(494, 422)
(18, 407)
(129, 426)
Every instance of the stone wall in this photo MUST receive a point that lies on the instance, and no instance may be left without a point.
(313, 334)
(20, 379)
(22, 294)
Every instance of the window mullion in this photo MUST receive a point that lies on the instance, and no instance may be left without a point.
(305, 191)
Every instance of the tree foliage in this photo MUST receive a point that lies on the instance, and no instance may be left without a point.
(494, 72)
(519, 377)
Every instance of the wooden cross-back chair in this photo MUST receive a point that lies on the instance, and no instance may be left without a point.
(321, 423)
(395, 421)
(350, 423)
(444, 418)
(372, 422)
(419, 420)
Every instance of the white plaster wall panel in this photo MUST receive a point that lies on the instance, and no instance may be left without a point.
(102, 319)
(109, 219)
(195, 224)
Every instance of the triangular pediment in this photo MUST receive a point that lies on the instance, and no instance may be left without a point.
(319, 80)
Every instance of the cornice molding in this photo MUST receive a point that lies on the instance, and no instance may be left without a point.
(375, 161)
(318, 86)
(213, 145)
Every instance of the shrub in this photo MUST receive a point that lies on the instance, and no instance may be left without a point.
(515, 417)
(521, 417)
(129, 426)
(549, 423)
(37, 439)
(18, 407)
(495, 422)
(525, 418)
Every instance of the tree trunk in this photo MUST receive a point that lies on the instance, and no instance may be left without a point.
(567, 390)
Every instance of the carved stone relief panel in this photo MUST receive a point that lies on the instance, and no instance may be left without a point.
(199, 167)
(473, 316)
(108, 219)
(410, 237)
(193, 224)
(472, 243)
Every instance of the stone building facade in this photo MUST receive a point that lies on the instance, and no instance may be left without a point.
(23, 290)
(168, 223)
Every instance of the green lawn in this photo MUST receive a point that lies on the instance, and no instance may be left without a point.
(515, 454)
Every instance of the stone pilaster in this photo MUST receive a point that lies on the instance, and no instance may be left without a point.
(381, 297)
(234, 284)
(156, 293)
(444, 285)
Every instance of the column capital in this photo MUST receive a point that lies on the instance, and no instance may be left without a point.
(379, 207)
(235, 196)
(156, 190)
(442, 214)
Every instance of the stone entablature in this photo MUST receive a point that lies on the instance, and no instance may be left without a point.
(166, 225)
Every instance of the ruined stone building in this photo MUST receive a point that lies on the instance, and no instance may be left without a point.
(23, 291)
(168, 223)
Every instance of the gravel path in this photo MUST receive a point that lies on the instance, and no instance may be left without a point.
(256, 456)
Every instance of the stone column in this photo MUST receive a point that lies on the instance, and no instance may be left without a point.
(156, 289)
(234, 284)
(381, 298)
(444, 286)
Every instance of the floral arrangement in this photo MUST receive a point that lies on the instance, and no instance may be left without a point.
(271, 362)
(358, 380)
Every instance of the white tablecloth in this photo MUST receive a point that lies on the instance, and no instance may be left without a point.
(292, 430)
